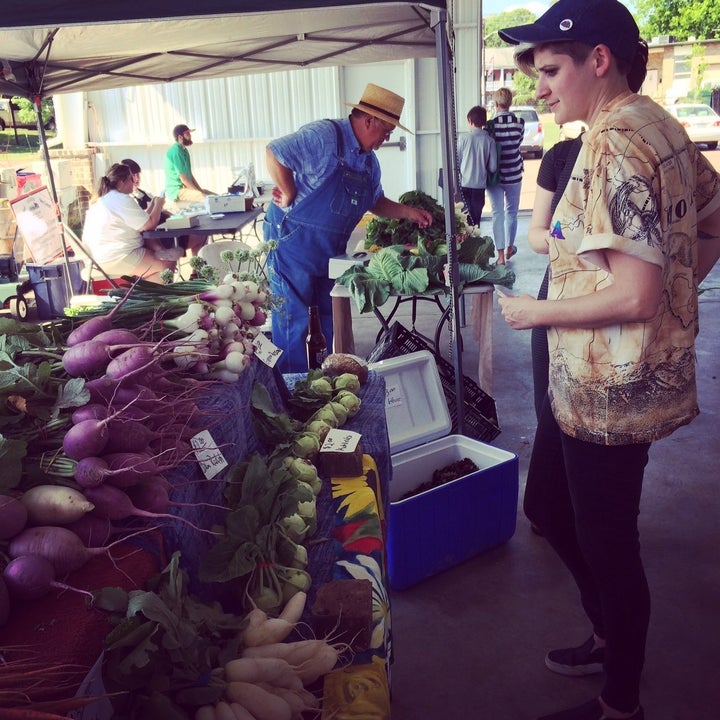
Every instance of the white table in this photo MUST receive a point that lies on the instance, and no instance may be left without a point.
(481, 303)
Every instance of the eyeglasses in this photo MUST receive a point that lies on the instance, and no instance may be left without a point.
(388, 129)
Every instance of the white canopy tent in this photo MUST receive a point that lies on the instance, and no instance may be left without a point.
(47, 48)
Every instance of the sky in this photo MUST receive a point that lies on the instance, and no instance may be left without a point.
(493, 7)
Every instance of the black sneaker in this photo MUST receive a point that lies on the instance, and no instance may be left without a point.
(584, 660)
(591, 710)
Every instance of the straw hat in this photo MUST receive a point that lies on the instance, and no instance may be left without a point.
(381, 103)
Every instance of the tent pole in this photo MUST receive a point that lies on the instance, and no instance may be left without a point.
(37, 100)
(448, 134)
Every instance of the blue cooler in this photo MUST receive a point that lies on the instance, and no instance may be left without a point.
(52, 287)
(441, 527)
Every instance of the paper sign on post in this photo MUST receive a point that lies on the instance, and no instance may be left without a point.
(211, 460)
(266, 351)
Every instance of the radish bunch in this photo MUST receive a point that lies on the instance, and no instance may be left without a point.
(220, 327)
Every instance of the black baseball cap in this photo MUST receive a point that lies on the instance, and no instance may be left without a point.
(181, 129)
(591, 22)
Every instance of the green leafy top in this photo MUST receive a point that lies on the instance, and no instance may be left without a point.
(383, 232)
(167, 648)
(35, 396)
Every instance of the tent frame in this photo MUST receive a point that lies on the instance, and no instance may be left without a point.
(35, 73)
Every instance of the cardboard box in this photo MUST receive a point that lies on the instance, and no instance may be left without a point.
(228, 203)
(446, 525)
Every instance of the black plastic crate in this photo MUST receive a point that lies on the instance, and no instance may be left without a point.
(480, 413)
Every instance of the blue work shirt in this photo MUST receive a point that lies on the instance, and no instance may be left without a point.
(310, 153)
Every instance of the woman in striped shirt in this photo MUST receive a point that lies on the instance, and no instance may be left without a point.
(508, 130)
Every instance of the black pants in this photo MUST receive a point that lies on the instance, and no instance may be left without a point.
(475, 200)
(585, 500)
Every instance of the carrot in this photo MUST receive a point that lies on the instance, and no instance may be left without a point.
(274, 671)
(261, 704)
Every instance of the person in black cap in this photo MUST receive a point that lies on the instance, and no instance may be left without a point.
(636, 230)
(180, 183)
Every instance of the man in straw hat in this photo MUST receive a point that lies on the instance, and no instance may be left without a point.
(326, 177)
(636, 230)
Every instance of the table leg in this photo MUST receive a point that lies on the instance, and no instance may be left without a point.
(343, 339)
(481, 306)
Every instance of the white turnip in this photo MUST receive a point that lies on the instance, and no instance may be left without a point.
(54, 504)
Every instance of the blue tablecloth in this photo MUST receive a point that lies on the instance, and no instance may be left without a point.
(228, 410)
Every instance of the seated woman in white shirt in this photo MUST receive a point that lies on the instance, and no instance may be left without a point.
(113, 229)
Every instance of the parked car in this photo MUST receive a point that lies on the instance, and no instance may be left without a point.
(700, 121)
(532, 144)
(573, 129)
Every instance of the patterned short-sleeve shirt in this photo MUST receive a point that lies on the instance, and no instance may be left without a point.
(639, 186)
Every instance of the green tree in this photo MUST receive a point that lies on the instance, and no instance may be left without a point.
(26, 110)
(681, 18)
(502, 20)
(525, 87)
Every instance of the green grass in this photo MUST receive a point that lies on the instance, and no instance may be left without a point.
(551, 130)
(27, 142)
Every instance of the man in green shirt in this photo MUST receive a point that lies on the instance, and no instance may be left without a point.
(180, 183)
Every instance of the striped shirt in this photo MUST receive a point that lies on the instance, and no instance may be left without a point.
(508, 130)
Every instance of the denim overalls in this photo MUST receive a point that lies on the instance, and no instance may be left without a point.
(308, 235)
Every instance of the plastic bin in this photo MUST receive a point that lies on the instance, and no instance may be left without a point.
(50, 285)
(448, 524)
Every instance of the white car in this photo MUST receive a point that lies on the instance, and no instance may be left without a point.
(532, 144)
(701, 122)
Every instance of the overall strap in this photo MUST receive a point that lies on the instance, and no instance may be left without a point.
(340, 143)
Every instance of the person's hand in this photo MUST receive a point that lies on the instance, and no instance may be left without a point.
(280, 198)
(517, 310)
(157, 202)
(422, 218)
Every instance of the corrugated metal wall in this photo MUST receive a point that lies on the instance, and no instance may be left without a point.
(235, 117)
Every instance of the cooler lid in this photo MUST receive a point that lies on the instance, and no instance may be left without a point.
(415, 405)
